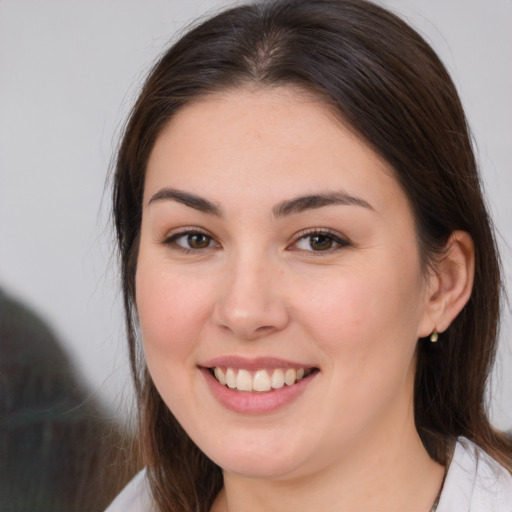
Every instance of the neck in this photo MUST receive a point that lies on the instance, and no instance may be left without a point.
(388, 474)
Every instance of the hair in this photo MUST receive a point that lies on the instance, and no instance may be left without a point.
(56, 441)
(384, 81)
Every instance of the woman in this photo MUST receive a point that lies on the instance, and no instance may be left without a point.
(307, 254)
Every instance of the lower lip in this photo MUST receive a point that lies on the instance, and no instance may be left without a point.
(255, 403)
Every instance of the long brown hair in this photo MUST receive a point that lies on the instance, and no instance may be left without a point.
(384, 80)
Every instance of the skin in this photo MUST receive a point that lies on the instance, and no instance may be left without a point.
(353, 310)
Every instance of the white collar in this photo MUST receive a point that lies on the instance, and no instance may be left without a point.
(475, 482)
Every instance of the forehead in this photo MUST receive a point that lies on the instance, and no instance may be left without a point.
(264, 141)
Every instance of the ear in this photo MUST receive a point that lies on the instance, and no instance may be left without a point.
(449, 284)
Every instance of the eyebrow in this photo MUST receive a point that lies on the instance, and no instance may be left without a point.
(313, 201)
(285, 208)
(193, 201)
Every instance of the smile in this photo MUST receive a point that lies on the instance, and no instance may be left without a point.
(262, 380)
(257, 386)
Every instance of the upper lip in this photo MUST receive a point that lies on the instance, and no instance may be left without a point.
(257, 363)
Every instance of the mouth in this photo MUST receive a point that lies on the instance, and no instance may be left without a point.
(261, 380)
(257, 386)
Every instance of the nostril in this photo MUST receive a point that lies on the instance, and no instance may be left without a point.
(265, 328)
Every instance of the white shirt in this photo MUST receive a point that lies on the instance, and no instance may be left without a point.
(475, 482)
(135, 497)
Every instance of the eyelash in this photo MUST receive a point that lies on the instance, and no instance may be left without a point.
(330, 237)
(173, 240)
(340, 243)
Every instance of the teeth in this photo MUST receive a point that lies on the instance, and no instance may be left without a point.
(277, 379)
(231, 378)
(219, 375)
(244, 381)
(261, 380)
(290, 376)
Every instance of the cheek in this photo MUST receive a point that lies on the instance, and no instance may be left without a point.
(171, 316)
(341, 325)
(365, 312)
(170, 311)
(366, 324)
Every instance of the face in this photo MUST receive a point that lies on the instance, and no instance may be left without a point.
(278, 287)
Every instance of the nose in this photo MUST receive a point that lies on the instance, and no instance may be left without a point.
(251, 301)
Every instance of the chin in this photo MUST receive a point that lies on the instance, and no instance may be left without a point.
(262, 468)
(257, 460)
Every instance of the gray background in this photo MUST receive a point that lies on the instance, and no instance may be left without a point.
(69, 72)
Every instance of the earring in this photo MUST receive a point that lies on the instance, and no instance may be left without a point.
(434, 336)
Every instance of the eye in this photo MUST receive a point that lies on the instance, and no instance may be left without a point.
(191, 241)
(320, 241)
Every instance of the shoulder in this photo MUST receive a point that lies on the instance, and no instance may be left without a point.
(475, 482)
(135, 497)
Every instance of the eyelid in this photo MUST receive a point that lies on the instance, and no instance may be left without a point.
(171, 237)
(341, 240)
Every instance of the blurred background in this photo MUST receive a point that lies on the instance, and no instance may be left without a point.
(69, 73)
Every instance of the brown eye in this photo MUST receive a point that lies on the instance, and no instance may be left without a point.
(321, 242)
(198, 241)
(191, 241)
